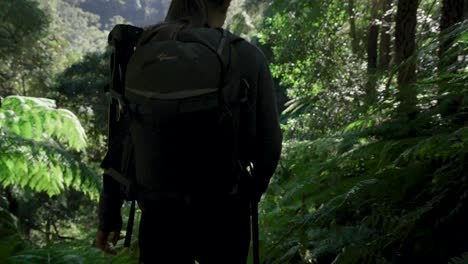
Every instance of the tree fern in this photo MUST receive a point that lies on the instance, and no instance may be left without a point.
(33, 147)
(376, 195)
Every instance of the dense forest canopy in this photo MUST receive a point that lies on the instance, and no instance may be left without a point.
(374, 100)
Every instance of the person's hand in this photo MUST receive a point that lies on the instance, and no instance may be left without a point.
(103, 243)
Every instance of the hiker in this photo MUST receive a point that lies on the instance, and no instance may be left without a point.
(200, 202)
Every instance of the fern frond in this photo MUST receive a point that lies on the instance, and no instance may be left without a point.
(438, 147)
(39, 119)
(463, 259)
(43, 166)
(33, 132)
(68, 254)
(55, 256)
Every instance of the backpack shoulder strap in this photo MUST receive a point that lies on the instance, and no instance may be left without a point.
(122, 39)
(233, 76)
(233, 98)
(237, 97)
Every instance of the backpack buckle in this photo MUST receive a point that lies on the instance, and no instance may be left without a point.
(244, 91)
(121, 106)
(117, 112)
(120, 110)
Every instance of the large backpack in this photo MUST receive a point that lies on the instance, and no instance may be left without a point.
(183, 88)
(176, 98)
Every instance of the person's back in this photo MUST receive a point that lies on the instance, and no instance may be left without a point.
(211, 223)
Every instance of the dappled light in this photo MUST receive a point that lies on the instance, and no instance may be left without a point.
(372, 97)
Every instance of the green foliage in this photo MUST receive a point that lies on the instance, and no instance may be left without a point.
(23, 54)
(80, 88)
(326, 203)
(35, 139)
(81, 250)
(80, 29)
(10, 239)
(460, 260)
(245, 17)
(355, 184)
(16, 33)
(63, 255)
(323, 83)
(38, 119)
(377, 189)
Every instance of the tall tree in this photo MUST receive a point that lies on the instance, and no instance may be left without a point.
(453, 11)
(352, 26)
(405, 46)
(372, 48)
(385, 37)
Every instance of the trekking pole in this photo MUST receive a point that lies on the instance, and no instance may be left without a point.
(254, 212)
(131, 219)
(256, 248)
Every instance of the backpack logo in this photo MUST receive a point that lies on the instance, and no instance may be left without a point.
(163, 56)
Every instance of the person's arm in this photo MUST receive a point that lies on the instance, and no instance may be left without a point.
(268, 138)
(109, 215)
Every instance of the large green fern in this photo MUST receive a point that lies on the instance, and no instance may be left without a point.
(355, 198)
(36, 139)
(39, 119)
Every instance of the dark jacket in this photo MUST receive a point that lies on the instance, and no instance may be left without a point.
(262, 146)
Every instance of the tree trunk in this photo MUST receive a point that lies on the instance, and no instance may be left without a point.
(23, 84)
(13, 203)
(372, 46)
(48, 233)
(452, 13)
(352, 25)
(385, 37)
(405, 46)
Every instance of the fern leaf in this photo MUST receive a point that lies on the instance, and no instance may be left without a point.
(43, 166)
(463, 259)
(38, 118)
